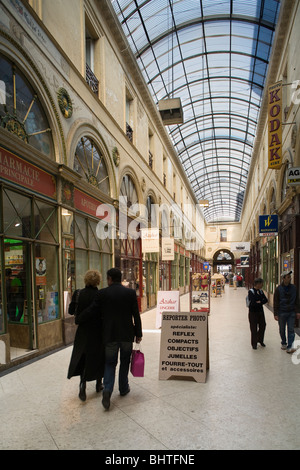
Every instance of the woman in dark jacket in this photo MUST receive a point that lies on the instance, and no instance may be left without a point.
(87, 358)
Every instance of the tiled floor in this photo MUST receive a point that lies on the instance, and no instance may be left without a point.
(251, 399)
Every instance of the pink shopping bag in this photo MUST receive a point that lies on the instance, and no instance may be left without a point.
(137, 363)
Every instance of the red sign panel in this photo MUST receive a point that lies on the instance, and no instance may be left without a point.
(19, 171)
(85, 203)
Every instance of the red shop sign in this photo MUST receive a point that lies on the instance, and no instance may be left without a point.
(19, 171)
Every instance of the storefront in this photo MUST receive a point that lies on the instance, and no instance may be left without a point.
(29, 246)
(289, 243)
(128, 249)
(82, 249)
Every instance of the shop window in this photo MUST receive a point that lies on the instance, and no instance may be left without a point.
(175, 272)
(94, 242)
(47, 285)
(81, 239)
(81, 267)
(45, 222)
(187, 271)
(21, 112)
(16, 215)
(90, 252)
(182, 271)
(89, 163)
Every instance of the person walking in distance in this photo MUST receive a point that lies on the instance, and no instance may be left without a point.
(257, 320)
(285, 305)
(121, 326)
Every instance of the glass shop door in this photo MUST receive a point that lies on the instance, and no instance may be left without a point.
(19, 306)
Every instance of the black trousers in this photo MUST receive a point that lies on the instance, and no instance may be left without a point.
(257, 327)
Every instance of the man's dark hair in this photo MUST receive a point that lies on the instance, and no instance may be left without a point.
(115, 274)
(258, 281)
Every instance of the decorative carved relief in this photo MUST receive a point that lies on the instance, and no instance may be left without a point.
(65, 103)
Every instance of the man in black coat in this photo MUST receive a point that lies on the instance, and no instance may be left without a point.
(257, 319)
(121, 326)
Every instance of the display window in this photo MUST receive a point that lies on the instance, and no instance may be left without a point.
(90, 251)
(164, 275)
(130, 269)
(30, 277)
(187, 271)
(46, 281)
(150, 278)
(175, 272)
(182, 271)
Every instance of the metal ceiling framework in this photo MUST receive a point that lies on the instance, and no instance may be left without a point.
(213, 55)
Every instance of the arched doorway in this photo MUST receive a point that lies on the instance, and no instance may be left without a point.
(223, 262)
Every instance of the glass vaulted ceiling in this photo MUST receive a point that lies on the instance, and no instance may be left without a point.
(214, 56)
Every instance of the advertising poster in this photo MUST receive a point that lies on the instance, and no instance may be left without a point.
(40, 271)
(184, 346)
(167, 249)
(167, 301)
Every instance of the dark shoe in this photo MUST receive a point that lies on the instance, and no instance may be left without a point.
(99, 386)
(82, 394)
(263, 345)
(106, 399)
(254, 347)
(125, 393)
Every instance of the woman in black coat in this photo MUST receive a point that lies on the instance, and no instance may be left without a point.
(87, 358)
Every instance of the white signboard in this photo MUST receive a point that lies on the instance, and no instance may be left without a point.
(167, 301)
(240, 246)
(167, 249)
(184, 345)
(293, 176)
(150, 240)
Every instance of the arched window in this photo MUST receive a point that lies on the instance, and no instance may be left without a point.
(284, 186)
(89, 163)
(128, 192)
(21, 112)
(152, 221)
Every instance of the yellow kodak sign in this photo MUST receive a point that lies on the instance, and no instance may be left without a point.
(275, 126)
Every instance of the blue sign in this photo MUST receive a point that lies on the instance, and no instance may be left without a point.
(268, 225)
(206, 266)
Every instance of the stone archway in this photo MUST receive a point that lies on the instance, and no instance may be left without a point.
(223, 257)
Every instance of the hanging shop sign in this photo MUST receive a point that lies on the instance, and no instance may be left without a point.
(245, 261)
(184, 346)
(240, 246)
(268, 225)
(275, 126)
(293, 176)
(167, 301)
(167, 249)
(19, 171)
(150, 240)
